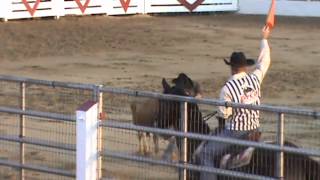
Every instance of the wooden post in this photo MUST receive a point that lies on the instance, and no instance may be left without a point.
(87, 134)
(22, 126)
(280, 141)
(183, 142)
(100, 131)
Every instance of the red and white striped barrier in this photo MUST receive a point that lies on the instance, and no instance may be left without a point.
(165, 6)
(84, 7)
(19, 9)
(120, 7)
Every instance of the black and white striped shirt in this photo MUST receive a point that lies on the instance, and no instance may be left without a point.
(245, 88)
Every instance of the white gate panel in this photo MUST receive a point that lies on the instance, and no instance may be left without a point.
(16, 9)
(121, 7)
(167, 6)
(93, 7)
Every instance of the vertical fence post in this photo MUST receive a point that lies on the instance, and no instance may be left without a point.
(280, 141)
(87, 134)
(183, 142)
(22, 126)
(100, 130)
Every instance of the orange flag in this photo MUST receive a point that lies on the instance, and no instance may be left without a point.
(270, 22)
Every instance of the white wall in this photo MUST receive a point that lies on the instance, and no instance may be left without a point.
(16, 9)
(284, 7)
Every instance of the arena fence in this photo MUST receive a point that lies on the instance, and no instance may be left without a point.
(304, 8)
(19, 9)
(41, 136)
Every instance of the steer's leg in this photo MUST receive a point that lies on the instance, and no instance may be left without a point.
(140, 136)
(148, 139)
(172, 152)
(156, 143)
(145, 144)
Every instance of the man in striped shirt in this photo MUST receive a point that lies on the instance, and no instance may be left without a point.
(242, 87)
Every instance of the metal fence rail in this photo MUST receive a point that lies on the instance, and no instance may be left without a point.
(186, 166)
(276, 148)
(47, 115)
(37, 168)
(213, 102)
(47, 83)
(39, 142)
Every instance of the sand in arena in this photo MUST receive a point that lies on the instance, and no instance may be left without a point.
(137, 51)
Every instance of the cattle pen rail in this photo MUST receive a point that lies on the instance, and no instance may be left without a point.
(50, 108)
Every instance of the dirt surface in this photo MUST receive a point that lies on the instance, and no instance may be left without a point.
(137, 51)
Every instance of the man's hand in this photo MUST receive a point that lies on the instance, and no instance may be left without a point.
(265, 32)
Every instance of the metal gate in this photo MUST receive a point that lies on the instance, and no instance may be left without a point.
(38, 133)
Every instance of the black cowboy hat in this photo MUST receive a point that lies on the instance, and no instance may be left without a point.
(238, 59)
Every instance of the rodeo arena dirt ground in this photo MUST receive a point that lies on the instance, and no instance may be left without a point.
(136, 52)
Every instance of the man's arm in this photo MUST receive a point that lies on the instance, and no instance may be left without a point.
(264, 60)
(225, 112)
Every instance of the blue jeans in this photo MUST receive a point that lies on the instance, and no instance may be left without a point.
(213, 149)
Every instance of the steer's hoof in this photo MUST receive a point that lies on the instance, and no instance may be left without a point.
(139, 153)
